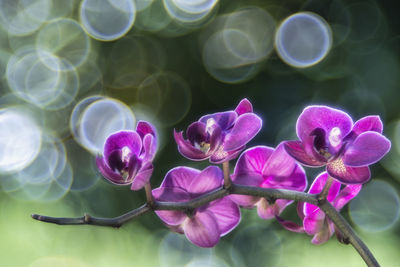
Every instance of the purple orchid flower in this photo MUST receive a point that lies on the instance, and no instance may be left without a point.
(328, 137)
(128, 156)
(205, 225)
(268, 168)
(314, 219)
(220, 136)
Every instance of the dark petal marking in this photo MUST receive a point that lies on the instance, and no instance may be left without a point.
(187, 149)
(109, 174)
(196, 133)
(319, 139)
(133, 167)
(114, 160)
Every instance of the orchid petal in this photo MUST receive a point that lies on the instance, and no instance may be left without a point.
(225, 119)
(149, 147)
(314, 222)
(249, 179)
(196, 133)
(143, 128)
(122, 139)
(109, 174)
(280, 163)
(296, 181)
(215, 139)
(171, 217)
(289, 225)
(253, 160)
(244, 107)
(219, 156)
(227, 214)
(265, 210)
(133, 166)
(187, 149)
(323, 235)
(297, 151)
(323, 117)
(347, 194)
(142, 177)
(207, 180)
(368, 123)
(316, 187)
(368, 148)
(202, 229)
(114, 160)
(346, 174)
(244, 129)
(180, 177)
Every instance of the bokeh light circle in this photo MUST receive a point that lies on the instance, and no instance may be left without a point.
(107, 20)
(31, 79)
(303, 39)
(95, 118)
(65, 39)
(235, 51)
(376, 208)
(20, 140)
(256, 243)
(47, 178)
(22, 17)
(36, 77)
(189, 11)
(167, 95)
(176, 250)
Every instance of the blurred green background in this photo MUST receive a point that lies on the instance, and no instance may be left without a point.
(75, 71)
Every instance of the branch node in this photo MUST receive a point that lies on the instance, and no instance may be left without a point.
(271, 200)
(86, 218)
(189, 212)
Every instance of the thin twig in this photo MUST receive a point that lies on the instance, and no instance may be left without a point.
(87, 219)
(227, 175)
(268, 193)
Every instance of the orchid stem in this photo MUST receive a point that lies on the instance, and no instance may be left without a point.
(325, 191)
(227, 177)
(221, 192)
(349, 233)
(149, 195)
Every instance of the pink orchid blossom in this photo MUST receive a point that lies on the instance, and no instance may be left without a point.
(221, 136)
(205, 225)
(315, 222)
(329, 137)
(128, 156)
(267, 168)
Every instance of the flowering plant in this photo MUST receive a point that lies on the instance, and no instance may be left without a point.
(204, 204)
(128, 156)
(220, 136)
